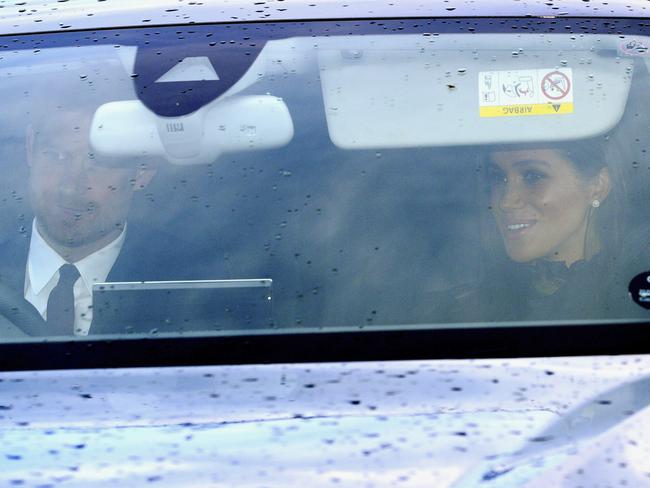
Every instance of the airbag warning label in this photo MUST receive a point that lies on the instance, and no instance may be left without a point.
(525, 92)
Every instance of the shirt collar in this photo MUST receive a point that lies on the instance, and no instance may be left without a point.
(43, 261)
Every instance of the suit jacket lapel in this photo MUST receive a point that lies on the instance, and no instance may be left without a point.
(13, 262)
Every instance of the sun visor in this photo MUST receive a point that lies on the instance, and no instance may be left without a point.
(411, 91)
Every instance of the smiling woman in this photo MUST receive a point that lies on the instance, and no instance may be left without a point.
(555, 223)
(544, 203)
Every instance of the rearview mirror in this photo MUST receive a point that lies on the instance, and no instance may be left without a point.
(127, 129)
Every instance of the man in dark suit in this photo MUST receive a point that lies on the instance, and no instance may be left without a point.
(79, 233)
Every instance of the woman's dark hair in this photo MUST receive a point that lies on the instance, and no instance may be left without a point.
(588, 157)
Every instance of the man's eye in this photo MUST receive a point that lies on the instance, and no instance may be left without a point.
(533, 177)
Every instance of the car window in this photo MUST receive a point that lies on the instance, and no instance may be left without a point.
(324, 177)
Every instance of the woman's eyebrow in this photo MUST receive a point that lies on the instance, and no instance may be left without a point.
(526, 162)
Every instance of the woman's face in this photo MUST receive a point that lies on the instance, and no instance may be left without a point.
(540, 204)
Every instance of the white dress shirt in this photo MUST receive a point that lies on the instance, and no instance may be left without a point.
(42, 275)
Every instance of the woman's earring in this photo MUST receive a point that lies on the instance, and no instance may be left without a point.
(595, 203)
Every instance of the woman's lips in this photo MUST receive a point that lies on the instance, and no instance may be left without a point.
(515, 229)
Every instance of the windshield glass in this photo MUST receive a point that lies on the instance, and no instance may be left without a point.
(253, 178)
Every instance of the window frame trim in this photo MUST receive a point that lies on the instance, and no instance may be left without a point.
(476, 342)
(508, 341)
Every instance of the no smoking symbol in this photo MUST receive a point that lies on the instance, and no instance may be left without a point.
(556, 85)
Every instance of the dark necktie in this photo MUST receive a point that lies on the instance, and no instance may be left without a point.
(60, 304)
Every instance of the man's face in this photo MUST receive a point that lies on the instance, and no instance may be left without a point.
(76, 201)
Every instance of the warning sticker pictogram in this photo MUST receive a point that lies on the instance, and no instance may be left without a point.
(516, 93)
(556, 85)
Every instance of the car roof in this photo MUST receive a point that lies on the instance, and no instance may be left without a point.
(31, 16)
